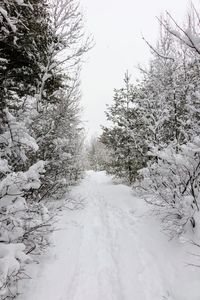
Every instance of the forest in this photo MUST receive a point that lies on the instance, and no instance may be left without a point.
(151, 142)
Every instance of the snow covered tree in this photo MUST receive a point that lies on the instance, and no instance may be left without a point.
(172, 119)
(57, 124)
(165, 105)
(23, 42)
(123, 138)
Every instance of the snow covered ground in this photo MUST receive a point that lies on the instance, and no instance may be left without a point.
(112, 250)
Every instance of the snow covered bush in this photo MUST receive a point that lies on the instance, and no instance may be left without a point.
(12, 261)
(171, 184)
(20, 223)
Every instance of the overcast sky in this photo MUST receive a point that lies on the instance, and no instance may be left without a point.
(117, 27)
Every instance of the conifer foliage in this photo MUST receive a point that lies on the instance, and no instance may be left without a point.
(41, 45)
(123, 138)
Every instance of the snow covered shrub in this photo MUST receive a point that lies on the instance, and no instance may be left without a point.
(171, 184)
(13, 205)
(16, 141)
(21, 223)
(12, 261)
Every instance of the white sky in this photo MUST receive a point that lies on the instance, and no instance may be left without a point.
(117, 27)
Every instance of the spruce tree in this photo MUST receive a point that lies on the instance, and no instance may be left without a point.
(123, 137)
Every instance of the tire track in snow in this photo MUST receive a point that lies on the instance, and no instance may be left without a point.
(96, 276)
(150, 275)
(111, 268)
(83, 283)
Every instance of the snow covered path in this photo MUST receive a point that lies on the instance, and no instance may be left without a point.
(111, 250)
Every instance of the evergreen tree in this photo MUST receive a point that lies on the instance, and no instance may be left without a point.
(25, 36)
(123, 138)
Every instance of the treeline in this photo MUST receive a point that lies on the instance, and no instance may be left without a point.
(153, 139)
(41, 136)
(97, 155)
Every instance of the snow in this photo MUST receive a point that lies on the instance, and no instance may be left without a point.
(112, 249)
(9, 20)
(11, 255)
(17, 134)
(3, 60)
(15, 183)
(20, 2)
(4, 167)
